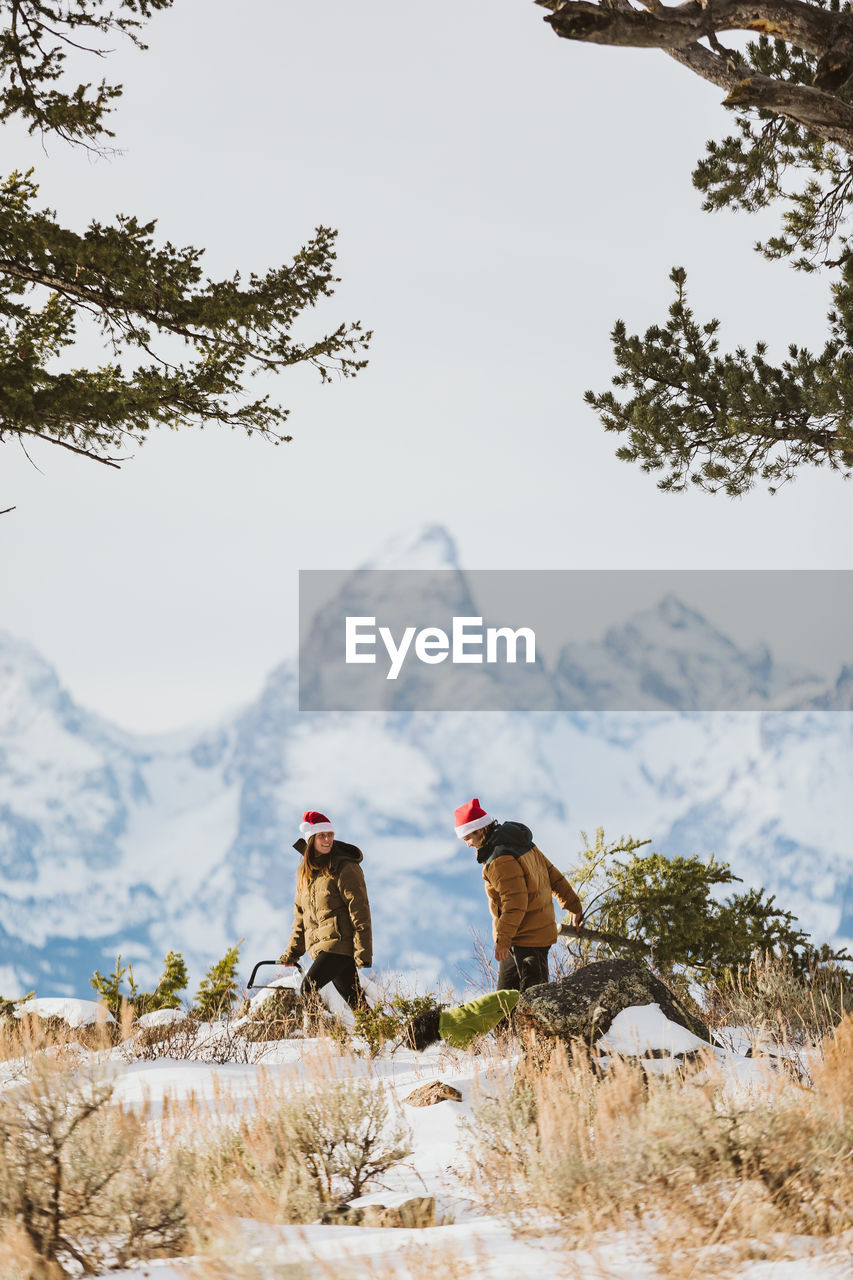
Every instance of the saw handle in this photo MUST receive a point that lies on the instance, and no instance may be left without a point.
(261, 964)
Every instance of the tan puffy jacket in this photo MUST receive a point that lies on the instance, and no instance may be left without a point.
(333, 914)
(520, 885)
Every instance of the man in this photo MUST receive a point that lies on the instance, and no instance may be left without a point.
(520, 885)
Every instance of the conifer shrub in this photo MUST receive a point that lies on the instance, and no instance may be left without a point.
(218, 990)
(672, 911)
(166, 994)
(391, 1020)
(215, 998)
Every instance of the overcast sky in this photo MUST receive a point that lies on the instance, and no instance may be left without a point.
(501, 196)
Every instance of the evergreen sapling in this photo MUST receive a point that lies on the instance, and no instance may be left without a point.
(218, 989)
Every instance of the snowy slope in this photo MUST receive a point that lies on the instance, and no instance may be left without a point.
(470, 1239)
(110, 842)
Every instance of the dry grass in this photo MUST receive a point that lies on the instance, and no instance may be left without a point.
(81, 1177)
(22, 1037)
(569, 1150)
(18, 1258)
(301, 1146)
(779, 1004)
(230, 1039)
(191, 1040)
(87, 1183)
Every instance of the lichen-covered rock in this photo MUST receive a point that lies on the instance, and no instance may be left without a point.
(419, 1212)
(427, 1095)
(583, 1005)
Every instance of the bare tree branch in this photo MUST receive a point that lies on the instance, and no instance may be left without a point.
(678, 29)
(63, 444)
(724, 69)
(617, 940)
(805, 25)
(823, 113)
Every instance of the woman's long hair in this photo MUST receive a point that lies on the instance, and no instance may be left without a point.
(312, 864)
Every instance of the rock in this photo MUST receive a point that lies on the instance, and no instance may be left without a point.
(583, 1005)
(429, 1094)
(418, 1213)
(376, 1215)
(343, 1215)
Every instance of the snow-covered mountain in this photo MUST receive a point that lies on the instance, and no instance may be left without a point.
(670, 656)
(112, 843)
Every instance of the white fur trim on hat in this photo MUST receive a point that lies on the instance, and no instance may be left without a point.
(315, 829)
(475, 825)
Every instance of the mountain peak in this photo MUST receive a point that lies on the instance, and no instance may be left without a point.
(27, 681)
(429, 546)
(675, 613)
(669, 625)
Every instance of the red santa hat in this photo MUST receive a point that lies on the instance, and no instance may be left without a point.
(314, 823)
(471, 817)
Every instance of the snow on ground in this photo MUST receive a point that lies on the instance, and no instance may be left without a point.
(161, 1017)
(467, 1237)
(645, 1027)
(77, 1013)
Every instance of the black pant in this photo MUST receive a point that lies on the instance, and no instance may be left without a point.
(524, 967)
(340, 971)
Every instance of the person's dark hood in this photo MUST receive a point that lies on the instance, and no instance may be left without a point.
(341, 851)
(507, 838)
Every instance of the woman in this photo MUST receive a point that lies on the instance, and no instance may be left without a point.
(331, 914)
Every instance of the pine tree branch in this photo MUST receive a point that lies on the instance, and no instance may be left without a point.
(35, 38)
(100, 302)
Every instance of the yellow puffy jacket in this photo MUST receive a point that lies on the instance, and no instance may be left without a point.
(521, 884)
